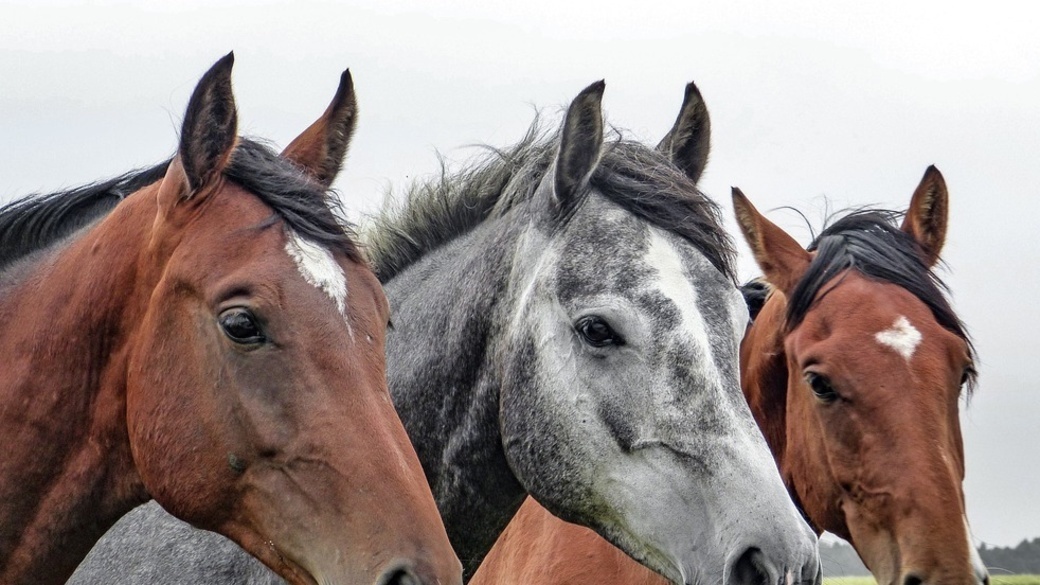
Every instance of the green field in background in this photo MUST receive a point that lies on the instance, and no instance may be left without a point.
(994, 580)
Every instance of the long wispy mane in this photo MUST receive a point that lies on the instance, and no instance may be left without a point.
(641, 180)
(869, 242)
(36, 222)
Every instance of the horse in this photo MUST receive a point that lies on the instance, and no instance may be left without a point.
(566, 324)
(207, 333)
(853, 366)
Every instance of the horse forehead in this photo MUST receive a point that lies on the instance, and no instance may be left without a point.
(862, 316)
(240, 230)
(685, 276)
(600, 251)
(607, 245)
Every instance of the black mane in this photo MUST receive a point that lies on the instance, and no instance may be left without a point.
(38, 221)
(641, 180)
(869, 242)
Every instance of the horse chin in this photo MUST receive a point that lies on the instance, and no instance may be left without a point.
(268, 553)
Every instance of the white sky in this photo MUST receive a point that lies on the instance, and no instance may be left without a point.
(848, 100)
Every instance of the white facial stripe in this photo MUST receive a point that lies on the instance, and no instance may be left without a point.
(977, 565)
(672, 283)
(546, 259)
(902, 337)
(319, 268)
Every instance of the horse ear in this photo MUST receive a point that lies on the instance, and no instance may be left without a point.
(320, 149)
(581, 141)
(208, 133)
(783, 260)
(688, 142)
(927, 217)
(208, 136)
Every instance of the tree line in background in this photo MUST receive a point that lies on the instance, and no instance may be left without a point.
(840, 559)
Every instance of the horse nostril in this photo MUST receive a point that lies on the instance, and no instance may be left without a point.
(751, 568)
(912, 579)
(399, 576)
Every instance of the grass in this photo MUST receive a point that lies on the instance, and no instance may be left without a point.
(994, 580)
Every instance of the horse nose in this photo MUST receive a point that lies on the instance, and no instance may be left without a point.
(914, 579)
(406, 574)
(399, 576)
(753, 567)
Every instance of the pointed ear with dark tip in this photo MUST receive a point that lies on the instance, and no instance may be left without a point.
(688, 142)
(208, 137)
(783, 260)
(321, 148)
(581, 141)
(208, 133)
(927, 217)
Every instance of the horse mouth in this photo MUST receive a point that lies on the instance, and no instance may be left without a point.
(293, 572)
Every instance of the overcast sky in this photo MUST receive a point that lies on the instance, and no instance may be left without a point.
(844, 100)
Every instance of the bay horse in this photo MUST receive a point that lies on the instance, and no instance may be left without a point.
(207, 334)
(566, 324)
(853, 367)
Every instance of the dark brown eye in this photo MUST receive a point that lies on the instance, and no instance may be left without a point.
(241, 327)
(821, 387)
(596, 332)
(967, 375)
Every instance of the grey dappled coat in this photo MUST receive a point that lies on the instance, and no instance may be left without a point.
(178, 554)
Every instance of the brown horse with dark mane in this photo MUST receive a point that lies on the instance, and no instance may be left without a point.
(215, 343)
(854, 369)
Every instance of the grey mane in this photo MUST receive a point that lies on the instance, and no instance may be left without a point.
(641, 180)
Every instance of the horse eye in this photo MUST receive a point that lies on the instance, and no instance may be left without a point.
(241, 327)
(821, 387)
(597, 333)
(969, 373)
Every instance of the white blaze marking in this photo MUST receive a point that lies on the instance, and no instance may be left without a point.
(319, 268)
(976, 561)
(673, 284)
(902, 337)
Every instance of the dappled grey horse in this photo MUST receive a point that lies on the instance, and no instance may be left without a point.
(565, 324)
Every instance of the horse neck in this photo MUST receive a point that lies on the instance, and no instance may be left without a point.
(67, 473)
(442, 374)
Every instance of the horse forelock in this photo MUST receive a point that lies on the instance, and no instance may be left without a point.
(309, 210)
(639, 179)
(869, 243)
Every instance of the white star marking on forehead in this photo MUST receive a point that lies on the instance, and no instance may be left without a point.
(902, 337)
(319, 268)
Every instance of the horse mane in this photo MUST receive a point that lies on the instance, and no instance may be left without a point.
(869, 242)
(36, 222)
(639, 179)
